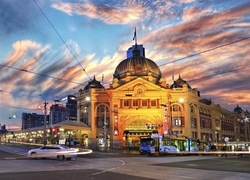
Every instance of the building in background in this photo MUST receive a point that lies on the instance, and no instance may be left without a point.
(3, 128)
(32, 120)
(70, 103)
(130, 51)
(58, 113)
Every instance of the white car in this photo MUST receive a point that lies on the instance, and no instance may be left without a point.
(54, 151)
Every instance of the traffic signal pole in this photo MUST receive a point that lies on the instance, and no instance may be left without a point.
(45, 122)
(105, 130)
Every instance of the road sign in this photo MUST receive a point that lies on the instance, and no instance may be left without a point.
(226, 139)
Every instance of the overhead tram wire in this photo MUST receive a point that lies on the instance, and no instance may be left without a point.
(60, 37)
(45, 75)
(230, 71)
(200, 65)
(192, 55)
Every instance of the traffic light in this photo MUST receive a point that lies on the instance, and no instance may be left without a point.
(53, 131)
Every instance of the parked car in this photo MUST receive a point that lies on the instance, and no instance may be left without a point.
(59, 152)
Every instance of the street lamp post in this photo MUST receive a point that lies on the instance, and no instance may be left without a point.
(169, 115)
(216, 137)
(181, 100)
(105, 130)
(45, 122)
(177, 116)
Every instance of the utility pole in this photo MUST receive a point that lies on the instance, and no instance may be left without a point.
(105, 130)
(45, 122)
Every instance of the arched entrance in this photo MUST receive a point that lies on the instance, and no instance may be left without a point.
(103, 126)
(136, 129)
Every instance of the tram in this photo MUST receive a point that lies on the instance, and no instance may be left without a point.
(232, 146)
(156, 144)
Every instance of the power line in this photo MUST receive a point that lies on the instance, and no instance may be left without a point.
(232, 70)
(238, 87)
(223, 45)
(60, 37)
(39, 74)
(200, 65)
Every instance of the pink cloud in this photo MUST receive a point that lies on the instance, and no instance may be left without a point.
(105, 13)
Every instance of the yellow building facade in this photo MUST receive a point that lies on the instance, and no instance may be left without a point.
(139, 102)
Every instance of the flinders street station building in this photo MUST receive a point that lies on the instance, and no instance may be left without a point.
(139, 102)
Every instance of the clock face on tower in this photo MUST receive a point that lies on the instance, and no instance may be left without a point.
(139, 91)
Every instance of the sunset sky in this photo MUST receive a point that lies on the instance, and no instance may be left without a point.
(45, 46)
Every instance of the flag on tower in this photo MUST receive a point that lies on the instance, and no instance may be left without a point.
(134, 35)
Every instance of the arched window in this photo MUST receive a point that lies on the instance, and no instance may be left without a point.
(102, 112)
(201, 111)
(176, 108)
(208, 111)
(84, 114)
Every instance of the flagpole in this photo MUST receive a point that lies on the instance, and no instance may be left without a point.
(135, 38)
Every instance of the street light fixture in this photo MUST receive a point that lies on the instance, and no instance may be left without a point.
(181, 100)
(87, 98)
(216, 137)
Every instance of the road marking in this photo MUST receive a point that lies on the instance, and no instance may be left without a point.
(192, 165)
(10, 158)
(111, 169)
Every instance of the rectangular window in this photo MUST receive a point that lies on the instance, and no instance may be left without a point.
(144, 102)
(153, 102)
(126, 103)
(135, 103)
(176, 122)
